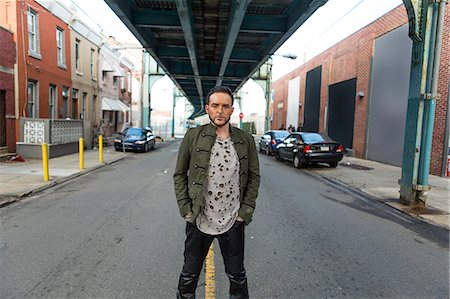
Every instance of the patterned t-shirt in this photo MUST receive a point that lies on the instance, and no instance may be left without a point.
(221, 191)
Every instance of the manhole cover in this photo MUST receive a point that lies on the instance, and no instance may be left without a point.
(355, 166)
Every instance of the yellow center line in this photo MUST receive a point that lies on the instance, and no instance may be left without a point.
(210, 283)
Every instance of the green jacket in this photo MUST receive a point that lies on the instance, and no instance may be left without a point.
(191, 171)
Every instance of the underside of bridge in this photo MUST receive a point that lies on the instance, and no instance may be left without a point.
(204, 43)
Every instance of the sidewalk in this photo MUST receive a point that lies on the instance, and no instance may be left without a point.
(19, 179)
(381, 181)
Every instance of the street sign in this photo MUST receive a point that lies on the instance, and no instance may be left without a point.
(241, 115)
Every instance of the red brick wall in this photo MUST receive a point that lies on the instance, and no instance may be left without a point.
(7, 60)
(351, 58)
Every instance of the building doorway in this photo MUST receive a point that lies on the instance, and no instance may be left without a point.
(312, 100)
(341, 112)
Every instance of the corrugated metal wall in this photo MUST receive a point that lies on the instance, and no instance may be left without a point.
(389, 97)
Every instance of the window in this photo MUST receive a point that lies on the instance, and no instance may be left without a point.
(52, 102)
(122, 80)
(115, 80)
(94, 115)
(33, 34)
(60, 47)
(32, 99)
(77, 55)
(83, 106)
(74, 103)
(93, 76)
(129, 81)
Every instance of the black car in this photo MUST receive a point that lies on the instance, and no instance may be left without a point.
(136, 139)
(269, 141)
(303, 148)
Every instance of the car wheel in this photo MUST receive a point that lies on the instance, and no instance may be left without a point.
(298, 162)
(153, 146)
(333, 164)
(117, 149)
(277, 156)
(260, 148)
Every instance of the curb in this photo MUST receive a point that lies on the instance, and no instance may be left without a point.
(8, 199)
(385, 201)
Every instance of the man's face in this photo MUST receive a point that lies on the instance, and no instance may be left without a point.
(219, 108)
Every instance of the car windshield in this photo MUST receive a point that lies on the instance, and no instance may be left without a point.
(312, 138)
(133, 132)
(281, 134)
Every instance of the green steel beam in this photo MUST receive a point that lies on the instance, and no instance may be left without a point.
(156, 19)
(419, 64)
(234, 24)
(184, 9)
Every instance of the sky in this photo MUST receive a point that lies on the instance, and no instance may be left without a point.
(331, 23)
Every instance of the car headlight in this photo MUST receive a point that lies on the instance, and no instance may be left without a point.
(118, 140)
(140, 142)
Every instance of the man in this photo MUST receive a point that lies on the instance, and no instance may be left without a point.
(216, 184)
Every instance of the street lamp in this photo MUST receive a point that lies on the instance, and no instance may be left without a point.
(268, 84)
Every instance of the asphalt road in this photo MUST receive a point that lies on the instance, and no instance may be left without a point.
(116, 233)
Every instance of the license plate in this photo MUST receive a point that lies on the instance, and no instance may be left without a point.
(325, 148)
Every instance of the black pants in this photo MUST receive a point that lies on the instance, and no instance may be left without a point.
(195, 250)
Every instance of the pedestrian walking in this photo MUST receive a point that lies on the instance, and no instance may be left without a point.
(216, 183)
(282, 127)
(290, 129)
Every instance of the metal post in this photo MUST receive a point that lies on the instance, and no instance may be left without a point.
(173, 114)
(268, 93)
(100, 148)
(81, 152)
(45, 161)
(413, 128)
(430, 98)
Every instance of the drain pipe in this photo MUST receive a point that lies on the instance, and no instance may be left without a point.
(430, 101)
(446, 135)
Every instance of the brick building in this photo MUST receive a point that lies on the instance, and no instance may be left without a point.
(43, 59)
(357, 91)
(7, 106)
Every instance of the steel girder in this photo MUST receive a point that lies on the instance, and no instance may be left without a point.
(204, 43)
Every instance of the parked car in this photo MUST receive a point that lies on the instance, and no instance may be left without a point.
(303, 148)
(136, 139)
(269, 141)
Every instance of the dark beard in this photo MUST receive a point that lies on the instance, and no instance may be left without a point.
(212, 121)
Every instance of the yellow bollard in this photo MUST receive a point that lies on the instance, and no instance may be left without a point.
(81, 150)
(45, 161)
(100, 148)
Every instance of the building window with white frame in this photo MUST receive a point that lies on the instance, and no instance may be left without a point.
(93, 70)
(77, 55)
(52, 102)
(60, 47)
(32, 99)
(129, 81)
(33, 34)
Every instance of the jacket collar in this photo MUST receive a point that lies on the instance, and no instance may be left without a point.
(234, 132)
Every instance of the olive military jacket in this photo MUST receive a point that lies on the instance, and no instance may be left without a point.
(191, 171)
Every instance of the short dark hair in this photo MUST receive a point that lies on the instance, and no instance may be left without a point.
(220, 89)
